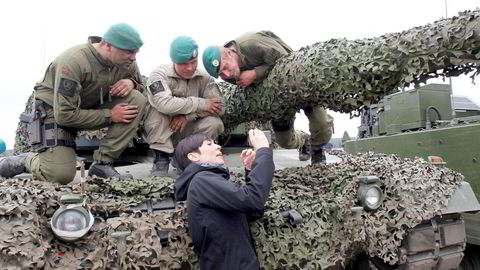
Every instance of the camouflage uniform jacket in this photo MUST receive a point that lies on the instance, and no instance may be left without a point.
(172, 95)
(258, 51)
(78, 81)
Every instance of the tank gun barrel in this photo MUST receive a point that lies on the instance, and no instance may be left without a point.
(343, 75)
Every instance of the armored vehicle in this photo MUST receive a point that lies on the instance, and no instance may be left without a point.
(367, 210)
(427, 122)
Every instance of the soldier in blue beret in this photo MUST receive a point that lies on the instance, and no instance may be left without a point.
(183, 100)
(246, 61)
(89, 86)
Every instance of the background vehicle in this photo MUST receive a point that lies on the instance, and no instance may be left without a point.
(425, 122)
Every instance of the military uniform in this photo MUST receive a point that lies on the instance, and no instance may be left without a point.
(259, 51)
(170, 95)
(75, 95)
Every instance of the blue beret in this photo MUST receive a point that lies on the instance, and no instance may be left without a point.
(183, 49)
(123, 36)
(211, 60)
(2, 146)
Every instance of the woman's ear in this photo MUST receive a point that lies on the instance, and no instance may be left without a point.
(193, 156)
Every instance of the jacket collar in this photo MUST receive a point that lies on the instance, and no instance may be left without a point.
(92, 40)
(183, 181)
(171, 73)
(232, 44)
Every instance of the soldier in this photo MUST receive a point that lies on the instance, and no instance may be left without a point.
(183, 100)
(89, 86)
(247, 60)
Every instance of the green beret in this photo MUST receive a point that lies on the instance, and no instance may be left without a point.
(211, 60)
(123, 36)
(183, 49)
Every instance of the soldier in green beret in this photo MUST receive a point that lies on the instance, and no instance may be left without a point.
(247, 60)
(183, 100)
(89, 86)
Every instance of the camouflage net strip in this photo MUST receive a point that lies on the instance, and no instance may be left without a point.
(343, 75)
(415, 192)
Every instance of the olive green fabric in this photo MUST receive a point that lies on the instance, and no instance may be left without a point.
(119, 135)
(123, 36)
(76, 84)
(56, 164)
(320, 124)
(170, 95)
(90, 77)
(260, 51)
(291, 139)
(183, 49)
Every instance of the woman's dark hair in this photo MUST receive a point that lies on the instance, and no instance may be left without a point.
(188, 145)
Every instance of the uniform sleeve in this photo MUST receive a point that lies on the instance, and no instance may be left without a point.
(214, 191)
(161, 98)
(210, 90)
(66, 103)
(136, 78)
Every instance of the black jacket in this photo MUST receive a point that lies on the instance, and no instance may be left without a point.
(218, 211)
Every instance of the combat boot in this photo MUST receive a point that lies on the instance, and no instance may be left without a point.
(305, 150)
(318, 156)
(160, 164)
(106, 170)
(13, 165)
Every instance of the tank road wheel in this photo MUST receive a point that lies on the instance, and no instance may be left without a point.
(471, 261)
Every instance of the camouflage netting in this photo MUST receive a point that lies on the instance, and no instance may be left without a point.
(329, 235)
(21, 135)
(343, 75)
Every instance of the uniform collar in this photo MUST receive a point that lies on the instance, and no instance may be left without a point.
(232, 44)
(92, 40)
(171, 73)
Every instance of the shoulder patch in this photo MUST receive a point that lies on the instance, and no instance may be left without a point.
(156, 87)
(67, 87)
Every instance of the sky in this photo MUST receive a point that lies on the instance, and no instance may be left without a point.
(35, 32)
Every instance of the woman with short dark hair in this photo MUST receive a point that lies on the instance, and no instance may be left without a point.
(219, 210)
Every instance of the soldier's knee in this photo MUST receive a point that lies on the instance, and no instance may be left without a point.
(65, 177)
(62, 175)
(137, 98)
(214, 126)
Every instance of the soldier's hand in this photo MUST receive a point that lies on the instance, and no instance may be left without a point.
(246, 78)
(178, 123)
(124, 113)
(214, 105)
(257, 139)
(122, 88)
(248, 156)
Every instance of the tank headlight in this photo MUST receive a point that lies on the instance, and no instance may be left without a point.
(369, 193)
(73, 219)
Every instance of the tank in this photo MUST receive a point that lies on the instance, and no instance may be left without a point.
(427, 122)
(344, 215)
(369, 208)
